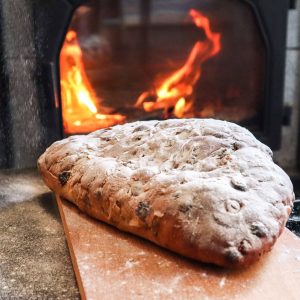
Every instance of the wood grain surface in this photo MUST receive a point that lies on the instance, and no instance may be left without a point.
(110, 264)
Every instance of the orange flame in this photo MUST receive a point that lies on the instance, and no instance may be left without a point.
(178, 89)
(80, 105)
(179, 108)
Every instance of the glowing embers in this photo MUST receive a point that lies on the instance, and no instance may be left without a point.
(81, 108)
(175, 96)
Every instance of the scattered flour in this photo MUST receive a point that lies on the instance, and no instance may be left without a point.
(130, 263)
(167, 289)
(197, 288)
(222, 282)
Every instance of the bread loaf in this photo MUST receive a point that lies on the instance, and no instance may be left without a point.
(203, 188)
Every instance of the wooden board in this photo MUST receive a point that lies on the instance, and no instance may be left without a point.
(110, 264)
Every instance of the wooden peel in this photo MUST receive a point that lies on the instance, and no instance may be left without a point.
(110, 264)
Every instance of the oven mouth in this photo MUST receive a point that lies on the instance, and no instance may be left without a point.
(160, 62)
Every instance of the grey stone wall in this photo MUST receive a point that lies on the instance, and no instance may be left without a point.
(20, 59)
(27, 70)
(287, 155)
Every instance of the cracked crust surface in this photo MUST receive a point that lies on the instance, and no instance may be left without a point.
(203, 188)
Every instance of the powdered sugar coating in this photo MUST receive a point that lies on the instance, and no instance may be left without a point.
(204, 188)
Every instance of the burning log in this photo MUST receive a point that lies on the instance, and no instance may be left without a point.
(135, 114)
(176, 92)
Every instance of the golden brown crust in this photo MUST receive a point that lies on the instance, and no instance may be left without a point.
(206, 189)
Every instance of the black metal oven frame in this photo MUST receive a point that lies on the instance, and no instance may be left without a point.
(50, 20)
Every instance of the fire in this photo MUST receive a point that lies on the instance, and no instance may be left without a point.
(83, 110)
(80, 105)
(179, 108)
(176, 92)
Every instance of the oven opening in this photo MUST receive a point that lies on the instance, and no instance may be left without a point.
(124, 61)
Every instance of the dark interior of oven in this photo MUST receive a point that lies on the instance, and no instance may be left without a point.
(131, 47)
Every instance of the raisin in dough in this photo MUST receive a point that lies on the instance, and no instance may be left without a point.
(203, 188)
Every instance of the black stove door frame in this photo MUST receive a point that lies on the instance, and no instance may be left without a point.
(272, 20)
